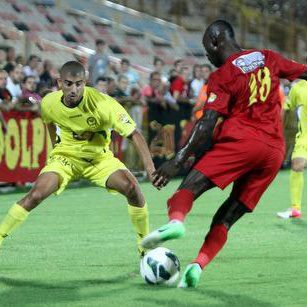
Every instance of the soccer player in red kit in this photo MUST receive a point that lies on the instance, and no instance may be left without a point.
(247, 148)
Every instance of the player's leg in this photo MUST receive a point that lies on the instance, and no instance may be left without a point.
(45, 184)
(296, 180)
(125, 183)
(246, 193)
(179, 205)
(225, 217)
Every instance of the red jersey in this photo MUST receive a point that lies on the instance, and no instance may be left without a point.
(245, 91)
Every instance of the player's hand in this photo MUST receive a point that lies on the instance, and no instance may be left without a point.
(164, 173)
(150, 172)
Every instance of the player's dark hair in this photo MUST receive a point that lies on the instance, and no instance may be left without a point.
(222, 25)
(72, 67)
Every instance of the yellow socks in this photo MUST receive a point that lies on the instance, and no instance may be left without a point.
(139, 219)
(15, 216)
(296, 189)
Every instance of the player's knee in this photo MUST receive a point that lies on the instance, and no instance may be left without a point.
(298, 166)
(35, 197)
(131, 189)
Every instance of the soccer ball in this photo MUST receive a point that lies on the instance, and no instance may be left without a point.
(160, 266)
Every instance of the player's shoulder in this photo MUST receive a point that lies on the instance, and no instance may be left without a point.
(301, 84)
(52, 97)
(92, 93)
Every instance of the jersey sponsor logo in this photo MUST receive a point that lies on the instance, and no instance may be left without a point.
(123, 118)
(211, 97)
(92, 122)
(249, 62)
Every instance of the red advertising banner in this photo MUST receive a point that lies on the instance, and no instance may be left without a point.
(24, 148)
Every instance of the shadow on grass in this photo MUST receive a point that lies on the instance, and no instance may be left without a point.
(21, 292)
(205, 297)
(290, 226)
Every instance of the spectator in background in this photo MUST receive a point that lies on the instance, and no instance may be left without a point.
(29, 87)
(112, 86)
(198, 81)
(20, 59)
(11, 55)
(15, 76)
(32, 68)
(179, 88)
(98, 63)
(178, 65)
(29, 100)
(5, 95)
(101, 85)
(152, 92)
(202, 95)
(206, 72)
(121, 92)
(132, 75)
(2, 58)
(47, 78)
(159, 64)
(172, 75)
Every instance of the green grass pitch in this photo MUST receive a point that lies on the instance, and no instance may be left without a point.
(78, 249)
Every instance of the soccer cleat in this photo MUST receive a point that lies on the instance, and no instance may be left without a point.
(290, 213)
(172, 230)
(191, 276)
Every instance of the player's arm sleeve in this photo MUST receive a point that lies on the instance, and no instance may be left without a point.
(291, 100)
(119, 119)
(218, 97)
(44, 111)
(289, 69)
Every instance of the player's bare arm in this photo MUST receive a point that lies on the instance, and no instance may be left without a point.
(52, 133)
(143, 151)
(198, 142)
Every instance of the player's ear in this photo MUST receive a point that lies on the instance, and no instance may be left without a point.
(214, 42)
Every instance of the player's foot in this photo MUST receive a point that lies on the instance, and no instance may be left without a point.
(172, 230)
(191, 276)
(289, 213)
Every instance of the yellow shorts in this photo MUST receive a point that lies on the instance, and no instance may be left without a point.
(96, 171)
(300, 148)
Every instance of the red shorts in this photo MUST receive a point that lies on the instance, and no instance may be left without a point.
(250, 164)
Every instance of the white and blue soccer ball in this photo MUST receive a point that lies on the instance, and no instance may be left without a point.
(160, 266)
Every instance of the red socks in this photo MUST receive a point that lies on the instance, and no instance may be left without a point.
(214, 242)
(180, 204)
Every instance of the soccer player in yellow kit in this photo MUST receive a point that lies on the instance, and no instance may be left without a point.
(80, 120)
(297, 100)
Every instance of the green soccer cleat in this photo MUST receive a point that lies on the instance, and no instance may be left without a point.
(191, 276)
(170, 231)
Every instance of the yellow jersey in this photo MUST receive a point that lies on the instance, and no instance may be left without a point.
(297, 100)
(84, 131)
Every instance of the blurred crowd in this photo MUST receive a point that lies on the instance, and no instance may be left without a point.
(164, 105)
